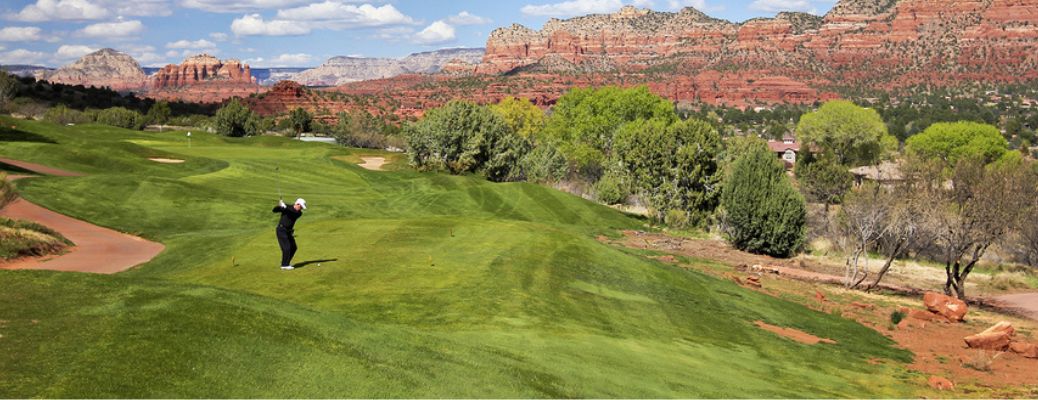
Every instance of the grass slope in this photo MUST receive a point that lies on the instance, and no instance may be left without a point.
(443, 287)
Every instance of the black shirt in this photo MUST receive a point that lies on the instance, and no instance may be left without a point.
(289, 215)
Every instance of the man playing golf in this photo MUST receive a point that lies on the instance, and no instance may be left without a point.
(285, 230)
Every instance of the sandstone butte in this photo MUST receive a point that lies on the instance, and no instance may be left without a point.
(688, 56)
(203, 79)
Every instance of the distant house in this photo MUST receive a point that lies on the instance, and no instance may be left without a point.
(787, 150)
(886, 173)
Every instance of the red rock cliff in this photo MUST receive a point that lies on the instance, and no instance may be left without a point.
(203, 78)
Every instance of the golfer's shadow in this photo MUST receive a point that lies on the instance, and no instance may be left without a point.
(306, 263)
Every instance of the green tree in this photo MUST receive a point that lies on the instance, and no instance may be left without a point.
(584, 121)
(952, 142)
(300, 120)
(673, 166)
(159, 113)
(234, 119)
(521, 116)
(121, 117)
(824, 181)
(762, 212)
(464, 137)
(851, 134)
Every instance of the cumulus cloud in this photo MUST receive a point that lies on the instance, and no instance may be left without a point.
(73, 51)
(775, 6)
(346, 15)
(85, 10)
(465, 18)
(113, 29)
(22, 56)
(187, 44)
(438, 32)
(219, 36)
(572, 8)
(21, 34)
(255, 25)
(50, 10)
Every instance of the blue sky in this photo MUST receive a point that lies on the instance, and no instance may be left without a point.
(272, 33)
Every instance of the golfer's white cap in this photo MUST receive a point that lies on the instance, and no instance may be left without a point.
(301, 202)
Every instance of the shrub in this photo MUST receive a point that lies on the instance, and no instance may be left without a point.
(60, 114)
(236, 120)
(897, 316)
(121, 117)
(464, 137)
(763, 213)
(673, 166)
(611, 189)
(544, 164)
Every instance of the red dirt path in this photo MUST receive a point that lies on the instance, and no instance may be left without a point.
(97, 250)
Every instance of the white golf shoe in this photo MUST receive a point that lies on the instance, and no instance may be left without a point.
(287, 267)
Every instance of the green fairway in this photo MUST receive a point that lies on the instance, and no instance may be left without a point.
(441, 286)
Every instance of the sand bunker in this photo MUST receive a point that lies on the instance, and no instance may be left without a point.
(373, 163)
(800, 336)
(167, 160)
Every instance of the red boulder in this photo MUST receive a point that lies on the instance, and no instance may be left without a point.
(949, 307)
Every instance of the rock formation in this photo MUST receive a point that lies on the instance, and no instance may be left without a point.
(203, 79)
(867, 43)
(102, 68)
(342, 70)
(286, 96)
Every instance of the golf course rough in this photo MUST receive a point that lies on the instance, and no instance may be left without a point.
(443, 286)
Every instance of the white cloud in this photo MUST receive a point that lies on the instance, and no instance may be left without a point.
(572, 8)
(238, 6)
(73, 51)
(346, 16)
(438, 32)
(49, 10)
(465, 18)
(20, 34)
(287, 60)
(219, 36)
(21, 56)
(254, 25)
(187, 44)
(113, 29)
(782, 5)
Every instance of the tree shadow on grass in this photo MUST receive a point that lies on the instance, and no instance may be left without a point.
(304, 264)
(14, 135)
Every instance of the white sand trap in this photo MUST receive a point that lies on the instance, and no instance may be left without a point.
(373, 163)
(167, 160)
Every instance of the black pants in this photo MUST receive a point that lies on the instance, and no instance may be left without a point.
(288, 245)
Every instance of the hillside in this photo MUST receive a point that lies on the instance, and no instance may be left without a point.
(413, 285)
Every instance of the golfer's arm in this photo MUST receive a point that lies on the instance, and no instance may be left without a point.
(278, 209)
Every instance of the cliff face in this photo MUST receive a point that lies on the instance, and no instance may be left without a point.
(341, 70)
(203, 79)
(860, 42)
(105, 67)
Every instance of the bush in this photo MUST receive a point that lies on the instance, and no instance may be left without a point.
(121, 117)
(60, 114)
(611, 189)
(673, 166)
(953, 142)
(763, 213)
(544, 164)
(236, 120)
(897, 316)
(464, 137)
